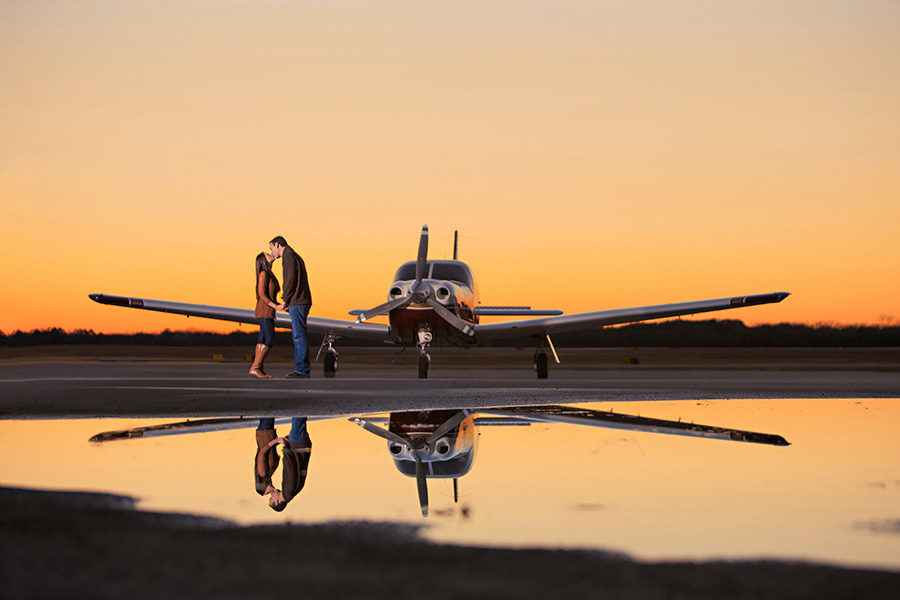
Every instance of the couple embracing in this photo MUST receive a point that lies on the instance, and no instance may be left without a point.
(296, 299)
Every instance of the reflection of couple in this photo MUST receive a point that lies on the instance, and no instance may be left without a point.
(296, 300)
(296, 450)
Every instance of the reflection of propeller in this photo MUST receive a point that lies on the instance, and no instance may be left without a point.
(401, 438)
(421, 485)
(420, 293)
(419, 447)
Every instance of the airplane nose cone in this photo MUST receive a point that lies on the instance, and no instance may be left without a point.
(419, 292)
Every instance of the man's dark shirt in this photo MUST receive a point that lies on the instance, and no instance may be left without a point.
(296, 286)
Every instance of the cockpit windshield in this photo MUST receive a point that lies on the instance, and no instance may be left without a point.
(451, 272)
(443, 271)
(406, 272)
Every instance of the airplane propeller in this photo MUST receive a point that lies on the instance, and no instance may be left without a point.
(419, 447)
(419, 293)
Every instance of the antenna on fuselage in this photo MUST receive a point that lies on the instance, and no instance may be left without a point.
(455, 240)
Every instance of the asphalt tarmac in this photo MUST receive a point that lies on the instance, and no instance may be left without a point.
(133, 388)
(63, 544)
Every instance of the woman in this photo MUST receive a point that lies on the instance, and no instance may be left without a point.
(267, 289)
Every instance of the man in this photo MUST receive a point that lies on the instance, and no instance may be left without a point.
(297, 300)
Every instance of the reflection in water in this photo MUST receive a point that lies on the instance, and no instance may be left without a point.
(442, 443)
(296, 450)
(832, 495)
(437, 444)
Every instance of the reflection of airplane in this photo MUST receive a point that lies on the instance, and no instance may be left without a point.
(437, 302)
(442, 444)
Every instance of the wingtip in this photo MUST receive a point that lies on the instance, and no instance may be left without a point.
(781, 295)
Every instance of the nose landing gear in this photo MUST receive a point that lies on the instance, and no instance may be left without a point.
(425, 338)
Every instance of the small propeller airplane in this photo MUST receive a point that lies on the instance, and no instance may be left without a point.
(442, 444)
(437, 302)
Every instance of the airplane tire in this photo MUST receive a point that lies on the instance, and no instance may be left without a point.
(423, 366)
(331, 364)
(540, 365)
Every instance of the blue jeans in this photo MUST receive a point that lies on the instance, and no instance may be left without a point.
(298, 434)
(266, 332)
(298, 333)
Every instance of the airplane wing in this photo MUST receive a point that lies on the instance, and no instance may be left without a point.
(483, 333)
(318, 325)
(516, 329)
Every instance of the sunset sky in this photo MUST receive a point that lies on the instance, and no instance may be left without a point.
(592, 154)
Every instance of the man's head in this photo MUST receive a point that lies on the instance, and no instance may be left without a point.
(277, 246)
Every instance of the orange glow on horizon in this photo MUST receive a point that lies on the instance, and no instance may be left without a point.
(592, 155)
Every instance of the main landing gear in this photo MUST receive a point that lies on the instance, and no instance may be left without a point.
(542, 361)
(425, 338)
(331, 355)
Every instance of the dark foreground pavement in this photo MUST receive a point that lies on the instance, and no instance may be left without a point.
(63, 545)
(61, 389)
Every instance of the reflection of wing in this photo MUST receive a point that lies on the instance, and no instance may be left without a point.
(186, 427)
(366, 331)
(580, 321)
(595, 418)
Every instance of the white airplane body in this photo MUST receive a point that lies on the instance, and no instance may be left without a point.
(437, 302)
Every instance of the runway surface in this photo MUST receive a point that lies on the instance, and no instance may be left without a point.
(175, 389)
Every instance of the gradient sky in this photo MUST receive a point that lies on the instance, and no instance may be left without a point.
(595, 154)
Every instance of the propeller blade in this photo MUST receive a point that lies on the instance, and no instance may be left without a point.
(446, 426)
(381, 432)
(422, 485)
(422, 258)
(383, 309)
(448, 316)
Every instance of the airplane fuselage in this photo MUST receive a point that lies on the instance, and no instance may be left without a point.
(452, 284)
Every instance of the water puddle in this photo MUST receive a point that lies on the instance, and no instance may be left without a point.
(655, 488)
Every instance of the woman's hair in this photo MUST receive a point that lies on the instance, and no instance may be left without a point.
(262, 264)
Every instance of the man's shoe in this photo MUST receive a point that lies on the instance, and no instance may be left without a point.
(296, 375)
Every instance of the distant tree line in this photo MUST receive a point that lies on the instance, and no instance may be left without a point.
(715, 333)
(55, 336)
(669, 334)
